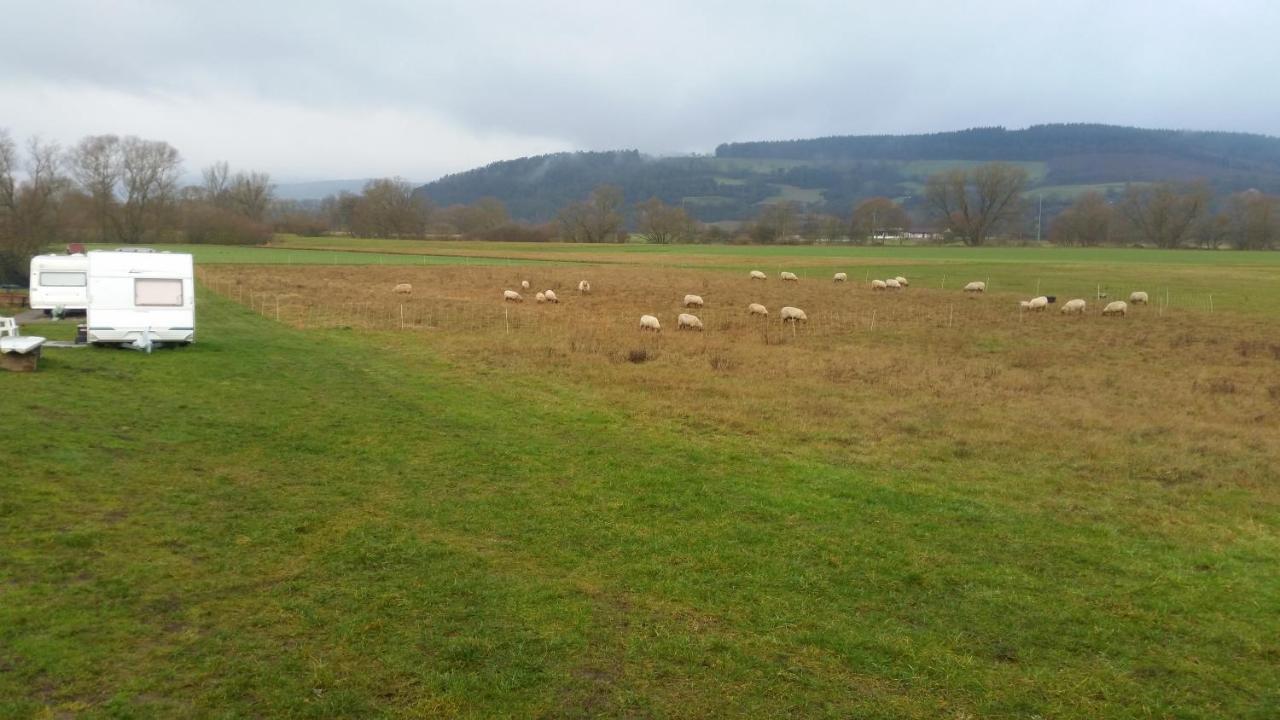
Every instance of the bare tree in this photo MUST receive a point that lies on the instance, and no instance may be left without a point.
(973, 203)
(661, 223)
(249, 194)
(29, 210)
(876, 214)
(1088, 221)
(217, 179)
(95, 164)
(340, 210)
(1165, 213)
(388, 207)
(485, 214)
(776, 221)
(1254, 220)
(8, 185)
(149, 174)
(597, 219)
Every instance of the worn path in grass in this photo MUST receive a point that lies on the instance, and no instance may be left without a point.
(277, 523)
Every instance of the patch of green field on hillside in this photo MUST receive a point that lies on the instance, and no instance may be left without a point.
(279, 523)
(706, 200)
(1071, 192)
(792, 193)
(759, 166)
(921, 169)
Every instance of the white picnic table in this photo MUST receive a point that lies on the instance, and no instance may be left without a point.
(20, 353)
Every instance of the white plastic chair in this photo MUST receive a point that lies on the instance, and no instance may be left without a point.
(9, 327)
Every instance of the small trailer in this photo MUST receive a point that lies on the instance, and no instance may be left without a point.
(59, 281)
(141, 298)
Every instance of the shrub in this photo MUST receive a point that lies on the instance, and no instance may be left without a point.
(210, 225)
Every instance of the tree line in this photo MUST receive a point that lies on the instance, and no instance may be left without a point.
(979, 203)
(108, 189)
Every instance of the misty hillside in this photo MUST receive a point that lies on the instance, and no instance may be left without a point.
(830, 174)
(316, 189)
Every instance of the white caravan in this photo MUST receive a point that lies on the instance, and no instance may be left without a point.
(59, 281)
(141, 298)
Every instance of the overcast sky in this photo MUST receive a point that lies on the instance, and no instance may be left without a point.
(322, 90)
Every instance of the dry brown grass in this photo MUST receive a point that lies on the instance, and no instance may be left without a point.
(1131, 411)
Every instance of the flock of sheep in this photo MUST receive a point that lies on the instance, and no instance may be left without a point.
(788, 314)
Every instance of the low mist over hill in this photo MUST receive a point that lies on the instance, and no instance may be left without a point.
(829, 174)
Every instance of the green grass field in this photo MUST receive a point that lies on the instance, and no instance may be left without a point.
(341, 523)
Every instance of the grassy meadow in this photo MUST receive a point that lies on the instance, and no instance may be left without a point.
(342, 502)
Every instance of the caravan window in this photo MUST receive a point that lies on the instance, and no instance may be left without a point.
(62, 279)
(157, 292)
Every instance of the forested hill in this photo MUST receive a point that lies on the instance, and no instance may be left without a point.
(830, 174)
(1039, 142)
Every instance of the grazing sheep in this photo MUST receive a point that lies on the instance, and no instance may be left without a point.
(1138, 297)
(902, 281)
(1116, 307)
(1073, 307)
(550, 295)
(693, 301)
(878, 285)
(649, 322)
(792, 314)
(584, 286)
(757, 309)
(975, 287)
(1024, 304)
(757, 275)
(892, 284)
(688, 322)
(540, 297)
(524, 284)
(790, 276)
(1038, 303)
(840, 277)
(511, 296)
(404, 288)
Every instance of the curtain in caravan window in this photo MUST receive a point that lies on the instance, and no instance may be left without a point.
(155, 292)
(62, 279)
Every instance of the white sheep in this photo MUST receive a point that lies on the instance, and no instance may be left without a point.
(975, 287)
(584, 286)
(403, 288)
(757, 309)
(511, 296)
(524, 284)
(550, 296)
(793, 314)
(692, 301)
(789, 276)
(688, 322)
(1116, 307)
(540, 297)
(757, 275)
(1073, 307)
(840, 277)
(878, 285)
(902, 281)
(649, 322)
(1038, 303)
(1138, 297)
(1024, 304)
(893, 284)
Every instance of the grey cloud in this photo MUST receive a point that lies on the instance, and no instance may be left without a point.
(659, 76)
